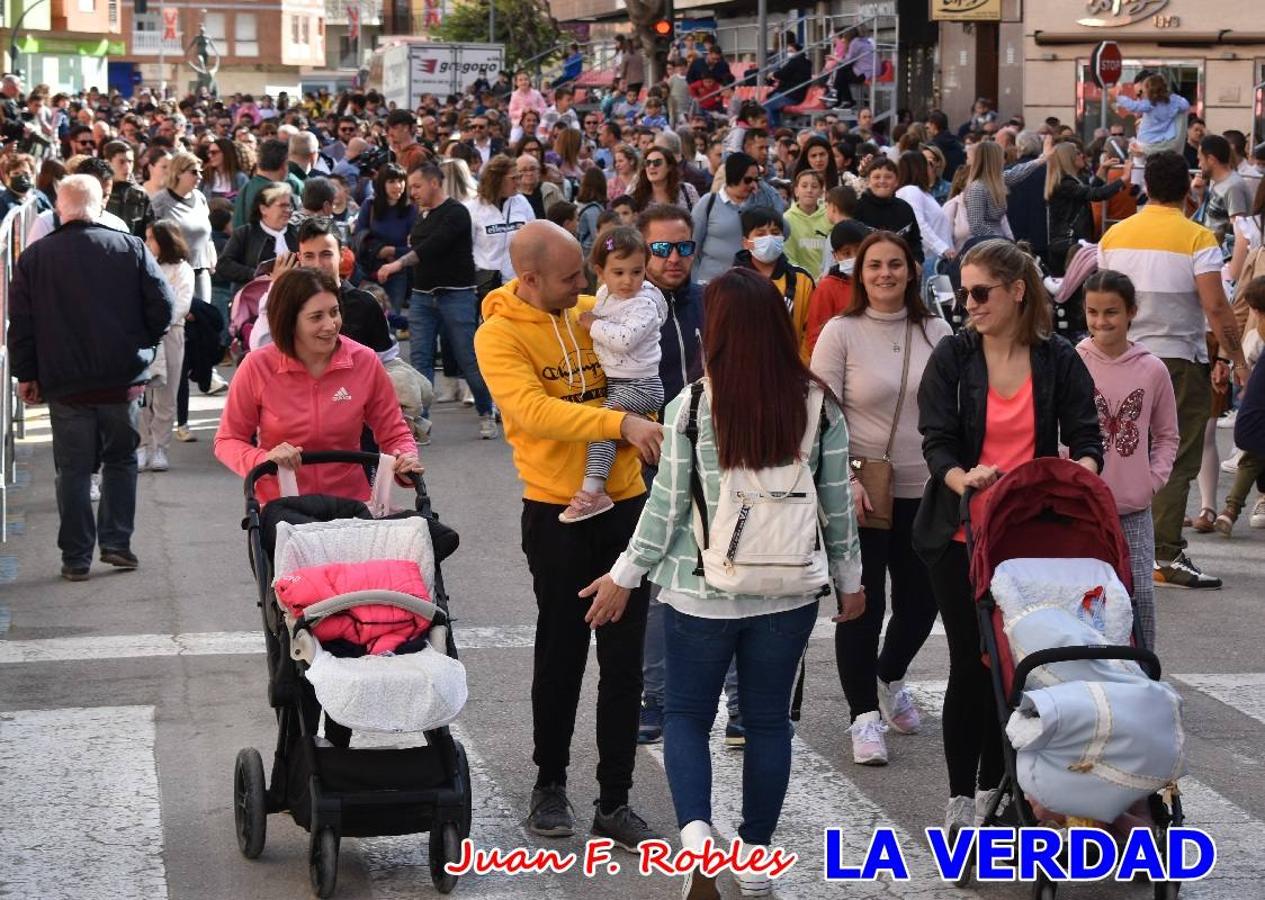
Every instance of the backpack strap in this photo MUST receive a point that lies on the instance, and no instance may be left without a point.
(696, 483)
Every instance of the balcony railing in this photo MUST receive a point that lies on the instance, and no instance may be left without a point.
(150, 43)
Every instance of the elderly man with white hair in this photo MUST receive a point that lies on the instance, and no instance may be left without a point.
(81, 339)
(304, 151)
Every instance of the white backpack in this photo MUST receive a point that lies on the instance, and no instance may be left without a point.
(765, 538)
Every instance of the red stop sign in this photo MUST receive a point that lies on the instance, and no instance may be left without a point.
(1106, 64)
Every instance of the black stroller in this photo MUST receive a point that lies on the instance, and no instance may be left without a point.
(335, 791)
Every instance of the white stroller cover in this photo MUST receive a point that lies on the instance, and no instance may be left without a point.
(1093, 736)
(406, 693)
(1093, 749)
(413, 692)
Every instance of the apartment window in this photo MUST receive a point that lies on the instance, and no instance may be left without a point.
(294, 30)
(87, 6)
(245, 35)
(305, 36)
(112, 10)
(216, 28)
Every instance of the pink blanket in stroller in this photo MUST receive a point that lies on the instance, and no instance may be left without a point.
(376, 627)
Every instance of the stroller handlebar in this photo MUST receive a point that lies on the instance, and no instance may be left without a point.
(325, 457)
(1149, 662)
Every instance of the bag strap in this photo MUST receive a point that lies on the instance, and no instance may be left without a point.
(696, 483)
(904, 381)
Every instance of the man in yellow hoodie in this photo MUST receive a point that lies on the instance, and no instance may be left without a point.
(539, 365)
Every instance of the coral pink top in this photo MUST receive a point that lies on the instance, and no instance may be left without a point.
(1010, 438)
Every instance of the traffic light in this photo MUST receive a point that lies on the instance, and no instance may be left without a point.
(662, 29)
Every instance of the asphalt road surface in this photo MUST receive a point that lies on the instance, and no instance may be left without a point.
(124, 700)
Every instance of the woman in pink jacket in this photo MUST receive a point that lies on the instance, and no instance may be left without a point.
(310, 390)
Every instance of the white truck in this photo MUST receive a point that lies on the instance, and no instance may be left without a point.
(411, 69)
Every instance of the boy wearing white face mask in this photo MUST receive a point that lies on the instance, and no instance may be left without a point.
(833, 294)
(762, 250)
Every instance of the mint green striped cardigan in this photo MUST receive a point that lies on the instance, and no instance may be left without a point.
(663, 545)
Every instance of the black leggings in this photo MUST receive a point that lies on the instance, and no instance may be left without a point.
(913, 612)
(972, 732)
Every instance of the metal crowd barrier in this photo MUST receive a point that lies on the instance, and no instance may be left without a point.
(13, 231)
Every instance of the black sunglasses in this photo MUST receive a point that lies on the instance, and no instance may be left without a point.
(979, 293)
(656, 162)
(663, 249)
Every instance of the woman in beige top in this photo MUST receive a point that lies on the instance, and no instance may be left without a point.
(861, 356)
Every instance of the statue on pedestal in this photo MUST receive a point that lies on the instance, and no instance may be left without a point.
(203, 49)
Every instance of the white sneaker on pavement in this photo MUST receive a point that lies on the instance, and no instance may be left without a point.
(159, 462)
(896, 704)
(463, 390)
(487, 428)
(959, 814)
(1257, 519)
(697, 886)
(1231, 466)
(869, 748)
(142, 459)
(752, 884)
(446, 389)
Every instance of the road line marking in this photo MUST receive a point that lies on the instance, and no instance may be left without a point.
(230, 643)
(82, 816)
(1244, 692)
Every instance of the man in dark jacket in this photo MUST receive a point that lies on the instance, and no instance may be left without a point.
(1025, 204)
(712, 64)
(127, 200)
(942, 137)
(86, 351)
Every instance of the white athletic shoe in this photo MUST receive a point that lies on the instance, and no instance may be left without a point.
(752, 884)
(159, 462)
(463, 390)
(896, 704)
(487, 428)
(142, 459)
(1257, 519)
(869, 748)
(959, 814)
(1227, 421)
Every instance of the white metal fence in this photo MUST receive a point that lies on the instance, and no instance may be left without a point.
(13, 231)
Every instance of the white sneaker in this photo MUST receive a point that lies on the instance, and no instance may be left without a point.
(697, 886)
(752, 884)
(94, 488)
(142, 459)
(1227, 421)
(869, 748)
(1231, 466)
(487, 428)
(898, 709)
(159, 461)
(959, 814)
(463, 390)
(982, 800)
(1258, 514)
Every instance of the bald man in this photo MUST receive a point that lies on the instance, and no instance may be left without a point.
(539, 365)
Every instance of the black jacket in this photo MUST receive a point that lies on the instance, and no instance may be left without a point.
(792, 76)
(681, 362)
(444, 245)
(131, 204)
(1071, 218)
(247, 248)
(203, 346)
(952, 410)
(88, 326)
(891, 214)
(954, 155)
(1026, 210)
(1249, 425)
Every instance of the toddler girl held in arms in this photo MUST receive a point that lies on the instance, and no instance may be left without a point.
(624, 325)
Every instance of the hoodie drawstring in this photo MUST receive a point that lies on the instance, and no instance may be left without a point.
(584, 388)
(566, 355)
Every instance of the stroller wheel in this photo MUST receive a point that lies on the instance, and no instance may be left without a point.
(1167, 890)
(323, 862)
(467, 807)
(445, 847)
(250, 808)
(1044, 890)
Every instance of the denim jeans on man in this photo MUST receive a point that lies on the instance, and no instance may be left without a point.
(768, 650)
(453, 312)
(82, 435)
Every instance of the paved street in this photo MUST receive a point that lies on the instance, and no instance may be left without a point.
(124, 700)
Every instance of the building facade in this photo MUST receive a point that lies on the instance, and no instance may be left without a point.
(62, 43)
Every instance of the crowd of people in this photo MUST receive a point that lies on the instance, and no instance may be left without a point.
(763, 294)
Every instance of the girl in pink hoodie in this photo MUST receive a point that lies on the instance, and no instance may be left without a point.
(1138, 417)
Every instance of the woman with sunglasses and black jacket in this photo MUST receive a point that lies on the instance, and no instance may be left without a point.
(999, 393)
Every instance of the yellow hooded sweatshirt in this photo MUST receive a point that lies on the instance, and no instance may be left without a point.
(547, 382)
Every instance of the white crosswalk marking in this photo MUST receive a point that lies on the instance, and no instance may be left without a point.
(1244, 691)
(81, 805)
(211, 643)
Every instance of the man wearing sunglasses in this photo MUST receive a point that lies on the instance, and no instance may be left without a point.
(481, 141)
(81, 141)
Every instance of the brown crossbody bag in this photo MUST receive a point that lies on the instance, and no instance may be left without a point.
(876, 475)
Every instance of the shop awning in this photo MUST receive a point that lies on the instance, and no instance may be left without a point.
(56, 46)
(1163, 39)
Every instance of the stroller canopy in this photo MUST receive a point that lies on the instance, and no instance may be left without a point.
(1051, 508)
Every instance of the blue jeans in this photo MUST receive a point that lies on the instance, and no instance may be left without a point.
(768, 650)
(774, 106)
(82, 435)
(455, 313)
(396, 288)
(654, 658)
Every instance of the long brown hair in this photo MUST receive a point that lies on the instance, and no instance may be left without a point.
(1156, 88)
(1008, 264)
(759, 382)
(643, 191)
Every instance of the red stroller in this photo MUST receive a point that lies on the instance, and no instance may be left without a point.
(1050, 508)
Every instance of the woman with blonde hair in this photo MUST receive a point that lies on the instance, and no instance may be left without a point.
(626, 169)
(459, 184)
(988, 183)
(1160, 113)
(1068, 196)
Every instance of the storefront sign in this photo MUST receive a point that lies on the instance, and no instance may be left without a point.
(56, 46)
(966, 10)
(1116, 13)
